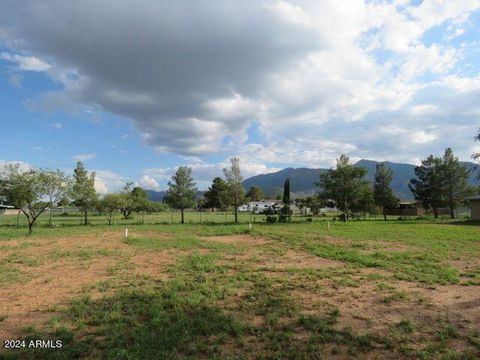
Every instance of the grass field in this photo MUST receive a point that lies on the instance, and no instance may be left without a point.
(166, 217)
(305, 290)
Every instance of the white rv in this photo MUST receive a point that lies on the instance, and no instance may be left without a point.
(259, 207)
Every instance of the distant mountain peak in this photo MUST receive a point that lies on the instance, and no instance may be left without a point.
(302, 179)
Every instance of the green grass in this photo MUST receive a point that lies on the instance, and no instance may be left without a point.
(430, 245)
(177, 242)
(81, 254)
(10, 275)
(221, 301)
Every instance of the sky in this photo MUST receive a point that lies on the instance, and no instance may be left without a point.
(138, 88)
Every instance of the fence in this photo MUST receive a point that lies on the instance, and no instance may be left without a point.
(70, 217)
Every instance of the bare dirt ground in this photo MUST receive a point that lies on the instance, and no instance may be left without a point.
(67, 265)
(367, 306)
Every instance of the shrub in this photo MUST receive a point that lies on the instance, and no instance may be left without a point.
(271, 219)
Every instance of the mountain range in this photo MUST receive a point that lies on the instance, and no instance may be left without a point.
(302, 180)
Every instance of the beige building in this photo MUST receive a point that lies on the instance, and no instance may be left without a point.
(474, 202)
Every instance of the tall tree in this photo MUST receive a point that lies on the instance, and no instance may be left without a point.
(455, 180)
(427, 187)
(382, 190)
(235, 187)
(217, 195)
(34, 191)
(83, 191)
(255, 193)
(286, 201)
(286, 192)
(181, 190)
(344, 185)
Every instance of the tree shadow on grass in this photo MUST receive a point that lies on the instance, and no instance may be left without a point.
(463, 223)
(135, 325)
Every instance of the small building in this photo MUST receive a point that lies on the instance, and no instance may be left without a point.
(407, 208)
(474, 202)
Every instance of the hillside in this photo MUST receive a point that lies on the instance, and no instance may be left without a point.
(302, 179)
(159, 195)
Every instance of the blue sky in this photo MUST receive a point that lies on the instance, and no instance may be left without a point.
(137, 90)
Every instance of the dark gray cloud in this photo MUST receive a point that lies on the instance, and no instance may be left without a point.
(159, 62)
(193, 74)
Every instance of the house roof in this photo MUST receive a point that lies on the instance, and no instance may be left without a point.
(476, 197)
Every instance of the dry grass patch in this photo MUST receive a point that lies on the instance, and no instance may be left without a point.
(153, 264)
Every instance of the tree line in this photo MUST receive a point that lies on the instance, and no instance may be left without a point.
(36, 190)
(222, 194)
(439, 182)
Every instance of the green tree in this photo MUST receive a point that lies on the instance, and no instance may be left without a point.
(155, 206)
(314, 203)
(4, 200)
(181, 190)
(141, 203)
(134, 199)
(286, 192)
(255, 193)
(455, 180)
(217, 195)
(127, 205)
(234, 179)
(344, 185)
(34, 191)
(427, 187)
(83, 191)
(109, 205)
(365, 202)
(285, 212)
(140, 199)
(383, 194)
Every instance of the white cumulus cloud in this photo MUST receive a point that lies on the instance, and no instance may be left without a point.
(315, 78)
(84, 157)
